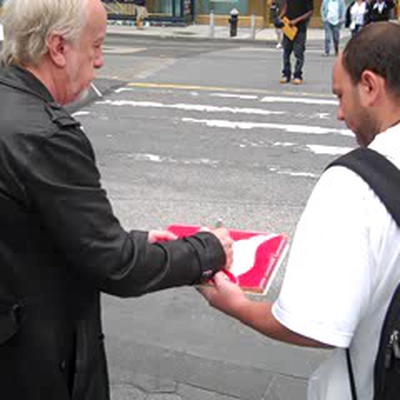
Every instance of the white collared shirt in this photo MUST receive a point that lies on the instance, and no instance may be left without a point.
(343, 267)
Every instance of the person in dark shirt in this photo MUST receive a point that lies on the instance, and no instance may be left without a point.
(299, 13)
(379, 10)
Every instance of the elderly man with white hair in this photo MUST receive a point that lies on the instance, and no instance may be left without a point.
(60, 243)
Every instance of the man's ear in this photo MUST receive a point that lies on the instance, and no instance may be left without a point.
(57, 50)
(371, 88)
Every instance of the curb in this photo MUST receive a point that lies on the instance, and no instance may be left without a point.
(187, 38)
(202, 39)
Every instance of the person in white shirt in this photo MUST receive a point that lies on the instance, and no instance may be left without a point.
(333, 15)
(356, 15)
(344, 264)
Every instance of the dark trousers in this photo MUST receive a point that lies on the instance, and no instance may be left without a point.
(298, 47)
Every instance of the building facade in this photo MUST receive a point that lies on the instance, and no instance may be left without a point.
(174, 12)
(183, 12)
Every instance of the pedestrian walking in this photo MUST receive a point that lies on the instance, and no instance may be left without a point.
(141, 13)
(298, 14)
(333, 16)
(344, 264)
(356, 16)
(61, 245)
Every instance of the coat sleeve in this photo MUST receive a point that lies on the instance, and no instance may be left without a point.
(62, 183)
(348, 15)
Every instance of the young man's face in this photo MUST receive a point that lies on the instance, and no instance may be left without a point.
(358, 118)
(86, 54)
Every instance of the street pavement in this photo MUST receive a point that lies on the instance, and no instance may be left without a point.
(194, 33)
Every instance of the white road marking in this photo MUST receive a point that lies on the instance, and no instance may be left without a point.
(166, 159)
(331, 150)
(299, 174)
(302, 100)
(284, 144)
(80, 113)
(307, 129)
(155, 158)
(122, 50)
(190, 107)
(244, 125)
(315, 148)
(235, 96)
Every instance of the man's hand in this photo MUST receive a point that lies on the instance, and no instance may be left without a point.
(226, 241)
(224, 295)
(160, 236)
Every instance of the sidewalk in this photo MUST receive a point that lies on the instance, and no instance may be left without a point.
(202, 32)
(205, 32)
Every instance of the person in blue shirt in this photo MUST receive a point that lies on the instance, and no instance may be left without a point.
(333, 15)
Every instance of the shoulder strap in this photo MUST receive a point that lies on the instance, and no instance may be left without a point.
(384, 178)
(351, 376)
(380, 174)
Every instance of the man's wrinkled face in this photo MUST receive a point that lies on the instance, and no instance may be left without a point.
(86, 54)
(358, 118)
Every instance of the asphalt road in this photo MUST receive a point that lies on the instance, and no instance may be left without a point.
(187, 133)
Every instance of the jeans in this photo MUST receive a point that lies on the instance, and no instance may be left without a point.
(355, 30)
(331, 32)
(298, 47)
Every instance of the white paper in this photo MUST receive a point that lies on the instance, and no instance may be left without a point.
(244, 253)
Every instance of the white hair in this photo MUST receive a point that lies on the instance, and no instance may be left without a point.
(28, 23)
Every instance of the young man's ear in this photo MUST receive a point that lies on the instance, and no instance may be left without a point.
(371, 86)
(56, 45)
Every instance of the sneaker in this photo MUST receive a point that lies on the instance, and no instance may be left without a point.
(284, 79)
(297, 81)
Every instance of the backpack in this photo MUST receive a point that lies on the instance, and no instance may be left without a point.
(384, 178)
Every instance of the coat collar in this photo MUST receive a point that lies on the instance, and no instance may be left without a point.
(24, 80)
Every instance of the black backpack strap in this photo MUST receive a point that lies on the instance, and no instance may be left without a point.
(351, 375)
(380, 174)
(384, 178)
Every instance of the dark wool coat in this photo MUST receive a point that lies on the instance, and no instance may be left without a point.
(61, 246)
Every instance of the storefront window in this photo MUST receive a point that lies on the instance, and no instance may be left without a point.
(156, 8)
(222, 7)
(167, 8)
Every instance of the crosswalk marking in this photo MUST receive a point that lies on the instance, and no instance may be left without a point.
(122, 50)
(304, 100)
(242, 91)
(205, 101)
(191, 107)
(290, 128)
